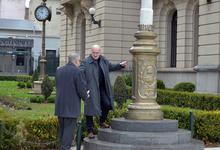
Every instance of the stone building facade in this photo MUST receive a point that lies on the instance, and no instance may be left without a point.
(187, 34)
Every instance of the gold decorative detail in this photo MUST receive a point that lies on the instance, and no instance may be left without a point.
(146, 79)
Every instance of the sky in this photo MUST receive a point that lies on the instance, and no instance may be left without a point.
(27, 3)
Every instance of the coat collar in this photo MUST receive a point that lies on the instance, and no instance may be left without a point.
(71, 64)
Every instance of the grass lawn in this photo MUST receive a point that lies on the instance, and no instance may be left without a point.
(38, 111)
(9, 88)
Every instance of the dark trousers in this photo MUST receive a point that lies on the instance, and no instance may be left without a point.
(102, 119)
(67, 130)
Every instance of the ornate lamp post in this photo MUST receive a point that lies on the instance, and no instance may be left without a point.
(145, 53)
(42, 13)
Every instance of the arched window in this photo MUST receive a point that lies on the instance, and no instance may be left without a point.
(173, 40)
(195, 35)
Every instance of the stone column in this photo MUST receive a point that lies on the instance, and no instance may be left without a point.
(145, 53)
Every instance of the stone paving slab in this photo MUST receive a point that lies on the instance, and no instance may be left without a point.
(213, 148)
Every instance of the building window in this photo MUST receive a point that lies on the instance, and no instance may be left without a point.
(173, 40)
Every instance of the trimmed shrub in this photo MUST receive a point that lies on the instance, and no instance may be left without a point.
(37, 99)
(21, 85)
(185, 87)
(120, 92)
(51, 99)
(206, 125)
(29, 85)
(187, 99)
(40, 134)
(160, 84)
(8, 131)
(46, 87)
(20, 78)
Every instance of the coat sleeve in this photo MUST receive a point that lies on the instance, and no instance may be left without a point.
(81, 86)
(114, 67)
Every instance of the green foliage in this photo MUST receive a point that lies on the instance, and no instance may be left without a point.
(128, 79)
(21, 85)
(20, 78)
(37, 99)
(51, 99)
(35, 76)
(187, 99)
(46, 87)
(120, 92)
(40, 134)
(185, 86)
(160, 84)
(29, 85)
(206, 125)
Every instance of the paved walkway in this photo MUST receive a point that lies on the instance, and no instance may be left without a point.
(214, 148)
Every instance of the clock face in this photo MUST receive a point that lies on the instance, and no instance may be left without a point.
(42, 13)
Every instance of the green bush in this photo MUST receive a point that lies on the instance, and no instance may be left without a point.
(21, 85)
(120, 92)
(14, 103)
(37, 99)
(8, 130)
(185, 87)
(20, 78)
(29, 84)
(46, 87)
(40, 134)
(187, 99)
(28, 134)
(206, 125)
(51, 99)
(160, 84)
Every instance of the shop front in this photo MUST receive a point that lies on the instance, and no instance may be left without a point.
(15, 56)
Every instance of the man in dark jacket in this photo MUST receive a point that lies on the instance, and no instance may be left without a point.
(96, 69)
(70, 88)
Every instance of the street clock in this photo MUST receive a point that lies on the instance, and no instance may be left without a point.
(42, 13)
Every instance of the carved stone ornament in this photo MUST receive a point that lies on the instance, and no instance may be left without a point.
(146, 79)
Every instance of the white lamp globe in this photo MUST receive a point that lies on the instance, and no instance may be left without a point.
(92, 11)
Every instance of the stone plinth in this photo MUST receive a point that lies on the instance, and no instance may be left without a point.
(143, 135)
(37, 87)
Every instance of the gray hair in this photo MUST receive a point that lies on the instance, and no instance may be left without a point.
(72, 57)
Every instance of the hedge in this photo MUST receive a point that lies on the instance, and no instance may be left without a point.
(206, 125)
(20, 78)
(28, 134)
(187, 99)
(42, 133)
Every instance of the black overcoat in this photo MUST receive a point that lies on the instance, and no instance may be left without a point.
(92, 107)
(70, 88)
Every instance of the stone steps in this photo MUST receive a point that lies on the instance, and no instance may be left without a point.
(95, 144)
(144, 138)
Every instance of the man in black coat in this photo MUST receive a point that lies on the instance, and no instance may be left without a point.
(96, 69)
(70, 88)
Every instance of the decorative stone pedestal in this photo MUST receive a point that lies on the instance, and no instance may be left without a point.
(37, 87)
(143, 135)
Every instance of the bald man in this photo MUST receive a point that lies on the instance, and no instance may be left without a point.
(96, 69)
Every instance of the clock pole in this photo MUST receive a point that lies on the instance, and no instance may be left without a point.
(43, 54)
(42, 13)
